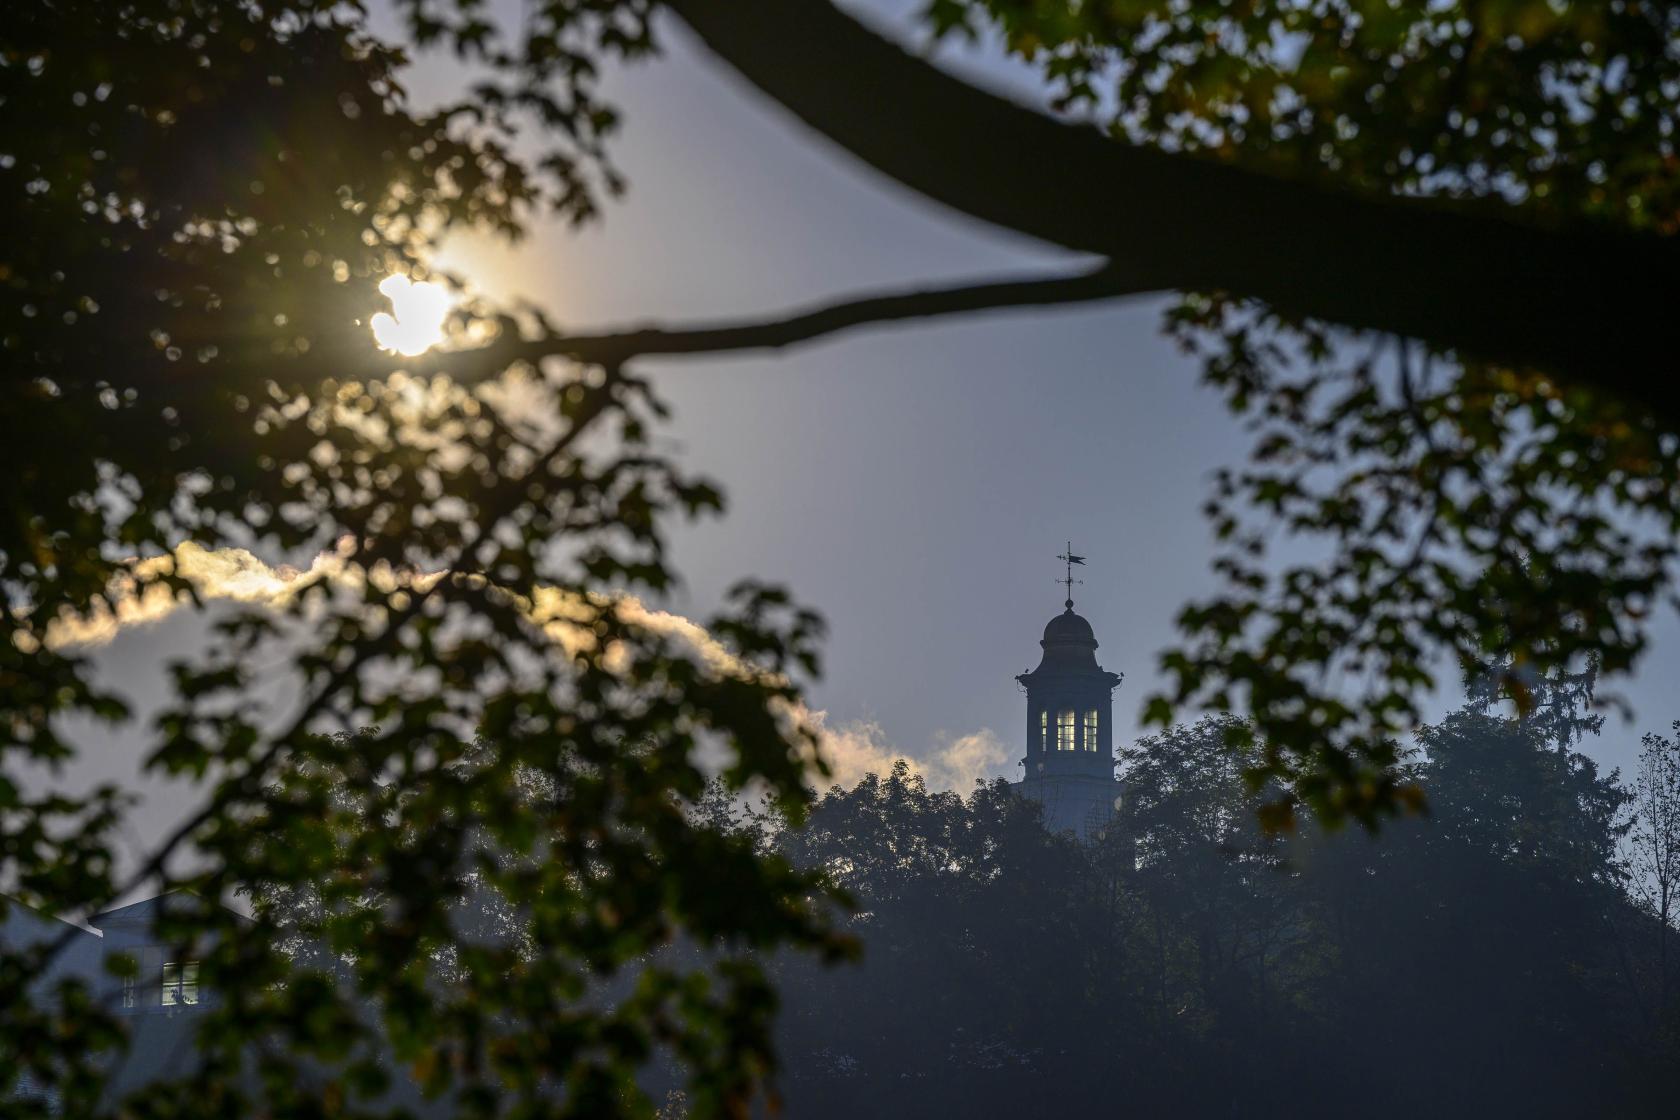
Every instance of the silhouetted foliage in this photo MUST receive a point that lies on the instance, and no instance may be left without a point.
(203, 198)
(463, 705)
(1486, 959)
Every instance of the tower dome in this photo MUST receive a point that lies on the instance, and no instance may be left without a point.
(1069, 627)
(1069, 644)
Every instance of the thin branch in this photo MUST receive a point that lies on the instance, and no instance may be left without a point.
(800, 326)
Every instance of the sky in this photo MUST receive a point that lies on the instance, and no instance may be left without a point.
(913, 484)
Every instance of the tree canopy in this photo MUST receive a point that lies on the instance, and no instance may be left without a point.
(1426, 250)
(1488, 958)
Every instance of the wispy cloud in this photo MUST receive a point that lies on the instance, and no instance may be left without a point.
(851, 749)
(139, 597)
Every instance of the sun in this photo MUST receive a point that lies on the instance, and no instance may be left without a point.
(418, 311)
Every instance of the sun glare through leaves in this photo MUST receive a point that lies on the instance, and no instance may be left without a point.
(415, 322)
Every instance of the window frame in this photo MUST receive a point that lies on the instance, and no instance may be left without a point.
(183, 987)
(1067, 730)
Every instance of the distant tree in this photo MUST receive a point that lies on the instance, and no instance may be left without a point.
(1474, 961)
(1654, 841)
(1558, 700)
(978, 951)
(1209, 873)
(1498, 788)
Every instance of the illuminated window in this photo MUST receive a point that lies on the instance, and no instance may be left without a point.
(1091, 730)
(1065, 730)
(180, 984)
(1043, 730)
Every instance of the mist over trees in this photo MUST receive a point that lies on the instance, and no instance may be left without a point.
(1506, 953)
(1501, 956)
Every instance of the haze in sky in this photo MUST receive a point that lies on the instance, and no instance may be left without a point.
(913, 484)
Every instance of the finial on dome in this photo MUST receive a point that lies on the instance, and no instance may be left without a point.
(1070, 559)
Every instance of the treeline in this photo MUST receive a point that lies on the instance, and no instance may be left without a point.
(1507, 954)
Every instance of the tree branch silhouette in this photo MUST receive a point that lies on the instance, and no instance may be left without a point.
(1583, 301)
(612, 348)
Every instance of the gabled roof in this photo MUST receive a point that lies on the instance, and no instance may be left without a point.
(140, 913)
(25, 925)
(132, 914)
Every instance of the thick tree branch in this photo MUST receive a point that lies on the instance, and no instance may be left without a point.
(1589, 303)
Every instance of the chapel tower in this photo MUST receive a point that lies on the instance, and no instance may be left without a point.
(1070, 702)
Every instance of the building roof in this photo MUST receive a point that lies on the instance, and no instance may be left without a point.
(142, 912)
(1070, 652)
(1069, 627)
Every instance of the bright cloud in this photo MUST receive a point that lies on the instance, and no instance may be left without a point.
(980, 755)
(861, 747)
(227, 573)
(851, 749)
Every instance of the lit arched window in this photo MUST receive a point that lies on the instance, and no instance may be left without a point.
(1065, 728)
(1091, 730)
(1043, 729)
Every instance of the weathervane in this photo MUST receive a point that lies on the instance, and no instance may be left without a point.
(1070, 559)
